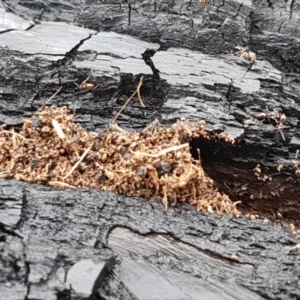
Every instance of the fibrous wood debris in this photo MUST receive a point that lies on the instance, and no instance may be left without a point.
(156, 163)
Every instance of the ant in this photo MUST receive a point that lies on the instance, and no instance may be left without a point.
(275, 117)
(85, 86)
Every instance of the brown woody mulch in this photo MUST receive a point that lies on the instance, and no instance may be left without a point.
(154, 164)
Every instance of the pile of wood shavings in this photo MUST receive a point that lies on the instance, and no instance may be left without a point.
(155, 164)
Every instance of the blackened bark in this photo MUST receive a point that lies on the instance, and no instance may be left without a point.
(45, 233)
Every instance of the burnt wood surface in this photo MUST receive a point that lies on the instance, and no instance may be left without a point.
(63, 244)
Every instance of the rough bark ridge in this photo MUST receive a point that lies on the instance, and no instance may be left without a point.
(49, 238)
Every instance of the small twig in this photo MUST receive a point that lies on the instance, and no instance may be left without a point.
(122, 108)
(126, 103)
(46, 102)
(60, 183)
(79, 161)
(161, 152)
(139, 92)
(129, 99)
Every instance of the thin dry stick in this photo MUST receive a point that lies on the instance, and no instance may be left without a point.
(122, 108)
(46, 102)
(79, 161)
(61, 184)
(137, 91)
(161, 152)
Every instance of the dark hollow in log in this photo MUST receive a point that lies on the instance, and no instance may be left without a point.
(272, 193)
